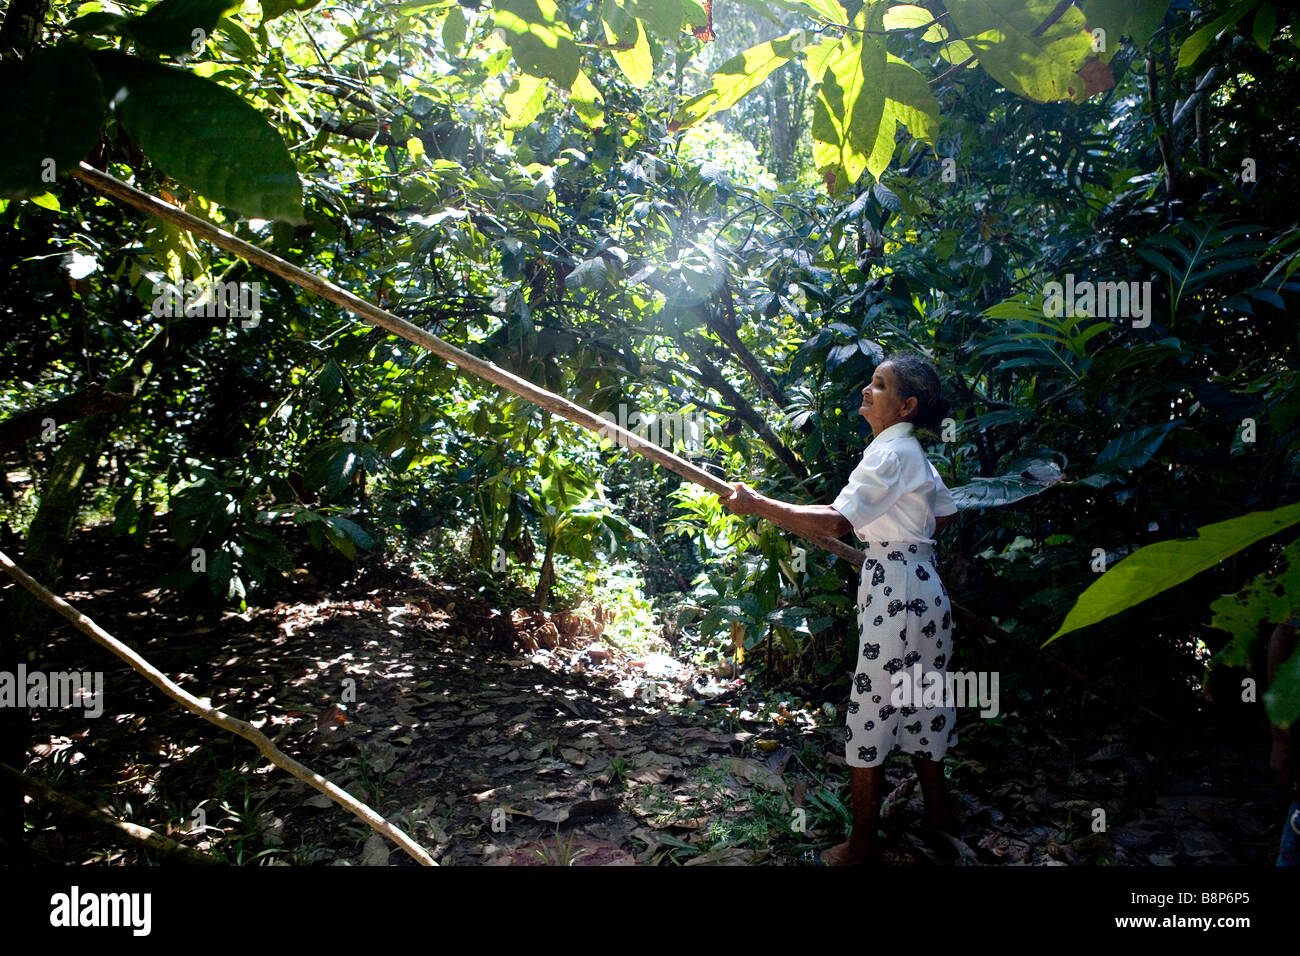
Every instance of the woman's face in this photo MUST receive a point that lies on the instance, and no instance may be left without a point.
(882, 405)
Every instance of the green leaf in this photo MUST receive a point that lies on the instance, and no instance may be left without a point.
(56, 102)
(908, 16)
(454, 30)
(591, 273)
(1042, 66)
(341, 468)
(822, 10)
(346, 535)
(663, 17)
(1265, 24)
(733, 79)
(542, 45)
(631, 45)
(46, 201)
(524, 101)
(1197, 43)
(1124, 18)
(275, 8)
(203, 135)
(848, 110)
(1134, 448)
(98, 21)
(587, 101)
(994, 492)
(1160, 566)
(177, 26)
(1269, 596)
(909, 102)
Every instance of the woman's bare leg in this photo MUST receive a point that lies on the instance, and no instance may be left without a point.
(930, 773)
(867, 784)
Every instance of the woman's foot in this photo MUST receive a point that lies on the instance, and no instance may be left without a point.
(851, 853)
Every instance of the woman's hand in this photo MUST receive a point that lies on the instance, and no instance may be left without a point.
(743, 500)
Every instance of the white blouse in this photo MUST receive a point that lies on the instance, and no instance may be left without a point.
(894, 494)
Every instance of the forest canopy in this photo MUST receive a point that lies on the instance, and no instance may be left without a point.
(668, 211)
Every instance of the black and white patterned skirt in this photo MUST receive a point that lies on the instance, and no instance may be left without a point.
(904, 629)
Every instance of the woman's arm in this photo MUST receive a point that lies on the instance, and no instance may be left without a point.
(801, 519)
(942, 521)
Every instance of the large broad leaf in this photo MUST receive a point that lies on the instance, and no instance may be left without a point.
(1270, 597)
(1124, 18)
(1196, 44)
(663, 17)
(849, 108)
(56, 110)
(994, 492)
(1043, 64)
(731, 81)
(829, 10)
(587, 101)
(909, 102)
(1157, 567)
(629, 43)
(275, 8)
(1133, 449)
(908, 16)
(541, 43)
(524, 101)
(177, 26)
(203, 135)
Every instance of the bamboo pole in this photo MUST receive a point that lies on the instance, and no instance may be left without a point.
(413, 333)
(130, 832)
(209, 713)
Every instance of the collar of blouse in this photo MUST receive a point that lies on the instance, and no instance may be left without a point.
(896, 430)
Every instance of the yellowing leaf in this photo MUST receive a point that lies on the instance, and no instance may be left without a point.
(908, 16)
(524, 101)
(587, 101)
(1014, 48)
(742, 73)
(848, 110)
(631, 49)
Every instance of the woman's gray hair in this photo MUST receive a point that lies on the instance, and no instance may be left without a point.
(918, 379)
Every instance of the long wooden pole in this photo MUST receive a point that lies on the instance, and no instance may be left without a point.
(205, 710)
(413, 333)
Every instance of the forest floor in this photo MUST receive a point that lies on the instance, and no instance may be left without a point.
(489, 753)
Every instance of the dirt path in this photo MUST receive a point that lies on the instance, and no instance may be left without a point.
(491, 754)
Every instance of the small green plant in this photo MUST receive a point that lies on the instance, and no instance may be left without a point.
(618, 771)
(373, 782)
(555, 855)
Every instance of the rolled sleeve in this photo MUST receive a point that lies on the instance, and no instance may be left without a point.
(943, 503)
(872, 490)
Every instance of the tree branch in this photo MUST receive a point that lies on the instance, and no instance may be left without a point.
(91, 400)
(132, 832)
(209, 713)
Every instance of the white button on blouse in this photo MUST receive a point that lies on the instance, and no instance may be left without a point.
(894, 494)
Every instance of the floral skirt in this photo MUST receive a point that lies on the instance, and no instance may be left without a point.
(904, 641)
